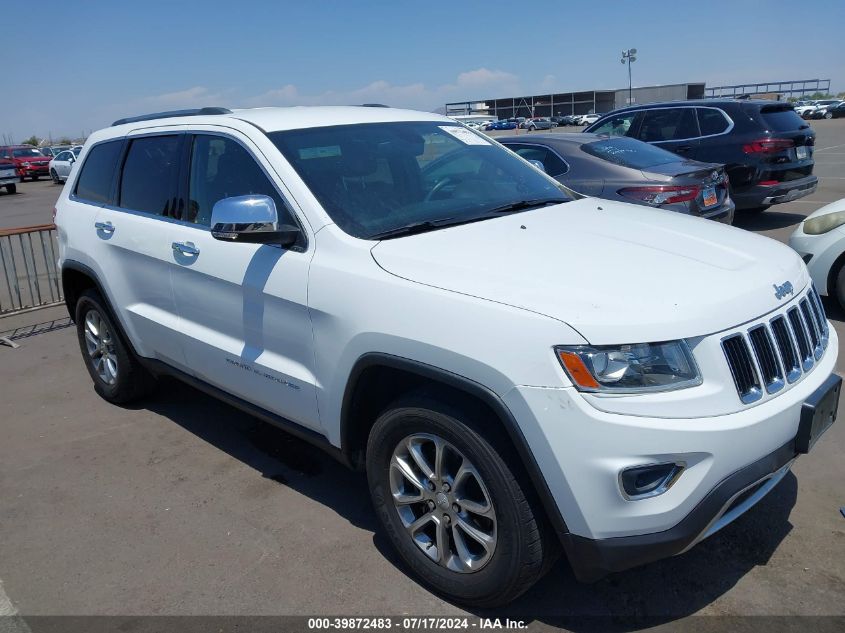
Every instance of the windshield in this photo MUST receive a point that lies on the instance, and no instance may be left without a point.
(30, 152)
(379, 177)
(629, 152)
(76, 151)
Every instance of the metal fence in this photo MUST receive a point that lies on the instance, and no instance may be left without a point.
(30, 278)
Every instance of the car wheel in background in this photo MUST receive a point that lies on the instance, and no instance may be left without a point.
(838, 290)
(11, 188)
(118, 376)
(828, 115)
(451, 504)
(55, 177)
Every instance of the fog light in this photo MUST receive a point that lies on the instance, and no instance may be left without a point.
(641, 482)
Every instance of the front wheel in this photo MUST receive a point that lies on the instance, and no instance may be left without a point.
(11, 189)
(54, 176)
(452, 506)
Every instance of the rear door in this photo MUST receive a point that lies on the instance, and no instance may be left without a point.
(243, 306)
(134, 249)
(673, 129)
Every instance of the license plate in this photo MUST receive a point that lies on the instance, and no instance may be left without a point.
(801, 152)
(710, 197)
(818, 413)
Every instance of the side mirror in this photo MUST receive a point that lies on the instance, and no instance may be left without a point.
(72, 159)
(251, 219)
(538, 164)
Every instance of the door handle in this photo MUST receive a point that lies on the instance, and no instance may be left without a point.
(683, 149)
(105, 227)
(186, 248)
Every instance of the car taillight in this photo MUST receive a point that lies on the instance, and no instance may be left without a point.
(660, 194)
(767, 145)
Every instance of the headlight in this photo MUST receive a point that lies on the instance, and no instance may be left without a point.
(640, 367)
(25, 164)
(824, 223)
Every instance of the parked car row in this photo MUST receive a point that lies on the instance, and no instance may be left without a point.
(822, 109)
(33, 162)
(766, 148)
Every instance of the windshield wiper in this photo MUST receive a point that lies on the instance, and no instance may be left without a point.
(522, 205)
(416, 227)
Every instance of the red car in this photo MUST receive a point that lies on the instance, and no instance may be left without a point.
(29, 162)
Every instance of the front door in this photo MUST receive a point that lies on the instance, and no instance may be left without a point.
(243, 306)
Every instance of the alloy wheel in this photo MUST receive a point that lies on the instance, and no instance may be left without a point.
(443, 503)
(99, 342)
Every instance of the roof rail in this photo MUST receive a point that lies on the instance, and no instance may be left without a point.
(172, 113)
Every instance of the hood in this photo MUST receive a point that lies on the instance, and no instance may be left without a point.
(616, 272)
(32, 159)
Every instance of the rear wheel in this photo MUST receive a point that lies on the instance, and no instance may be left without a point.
(118, 376)
(11, 188)
(452, 506)
(828, 115)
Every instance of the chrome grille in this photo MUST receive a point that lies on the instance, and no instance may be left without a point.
(770, 355)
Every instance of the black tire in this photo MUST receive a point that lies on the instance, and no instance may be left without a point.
(55, 177)
(35, 177)
(23, 178)
(11, 189)
(839, 286)
(132, 380)
(525, 546)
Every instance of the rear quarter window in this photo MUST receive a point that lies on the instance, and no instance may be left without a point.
(97, 173)
(781, 119)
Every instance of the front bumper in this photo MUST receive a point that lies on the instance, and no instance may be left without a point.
(762, 195)
(581, 450)
(34, 170)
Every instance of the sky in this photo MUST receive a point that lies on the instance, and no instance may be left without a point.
(72, 67)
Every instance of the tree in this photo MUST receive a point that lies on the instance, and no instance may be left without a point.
(32, 140)
(65, 141)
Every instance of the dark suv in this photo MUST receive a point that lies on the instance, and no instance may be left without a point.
(767, 149)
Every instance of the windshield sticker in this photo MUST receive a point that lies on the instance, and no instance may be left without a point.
(328, 151)
(468, 137)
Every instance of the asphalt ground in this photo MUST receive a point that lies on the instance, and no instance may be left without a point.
(181, 505)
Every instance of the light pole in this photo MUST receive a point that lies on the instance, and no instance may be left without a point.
(629, 57)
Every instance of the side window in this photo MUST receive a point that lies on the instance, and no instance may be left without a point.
(222, 168)
(552, 163)
(617, 125)
(95, 179)
(150, 174)
(668, 124)
(711, 121)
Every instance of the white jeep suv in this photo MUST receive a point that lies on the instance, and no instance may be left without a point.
(515, 369)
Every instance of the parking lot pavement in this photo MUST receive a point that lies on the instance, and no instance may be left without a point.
(182, 505)
(30, 206)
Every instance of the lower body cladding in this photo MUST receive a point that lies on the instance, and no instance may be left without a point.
(715, 467)
(764, 195)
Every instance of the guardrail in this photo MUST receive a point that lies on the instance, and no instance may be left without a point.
(30, 278)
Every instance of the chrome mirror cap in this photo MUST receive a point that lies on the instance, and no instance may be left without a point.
(250, 218)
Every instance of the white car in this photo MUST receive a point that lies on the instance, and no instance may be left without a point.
(8, 176)
(61, 164)
(587, 119)
(806, 109)
(820, 240)
(508, 365)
